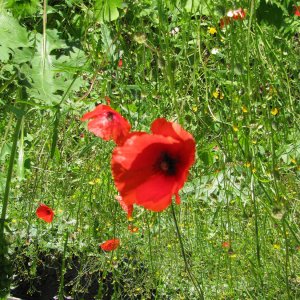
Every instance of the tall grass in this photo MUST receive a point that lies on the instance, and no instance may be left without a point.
(238, 220)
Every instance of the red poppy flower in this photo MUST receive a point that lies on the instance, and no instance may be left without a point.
(238, 14)
(45, 213)
(110, 245)
(120, 63)
(297, 10)
(132, 228)
(224, 21)
(128, 208)
(107, 123)
(149, 169)
(225, 245)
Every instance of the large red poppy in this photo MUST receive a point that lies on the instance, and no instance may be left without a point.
(110, 245)
(107, 124)
(149, 169)
(45, 213)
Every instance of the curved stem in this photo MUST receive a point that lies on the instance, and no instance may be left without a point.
(187, 267)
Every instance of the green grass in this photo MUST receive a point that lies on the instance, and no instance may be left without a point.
(243, 188)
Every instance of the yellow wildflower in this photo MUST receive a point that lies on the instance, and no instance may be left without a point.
(244, 109)
(247, 164)
(216, 94)
(235, 128)
(274, 111)
(212, 30)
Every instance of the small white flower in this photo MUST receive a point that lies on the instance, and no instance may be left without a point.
(230, 14)
(215, 51)
(174, 31)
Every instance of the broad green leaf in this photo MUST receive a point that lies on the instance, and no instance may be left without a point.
(107, 10)
(49, 75)
(196, 5)
(12, 36)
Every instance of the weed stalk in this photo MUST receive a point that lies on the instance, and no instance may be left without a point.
(187, 267)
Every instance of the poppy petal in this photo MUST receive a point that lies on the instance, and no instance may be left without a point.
(110, 245)
(107, 124)
(45, 213)
(169, 129)
(148, 169)
(128, 208)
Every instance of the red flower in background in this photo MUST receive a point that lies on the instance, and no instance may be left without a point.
(132, 228)
(45, 213)
(107, 124)
(297, 10)
(225, 245)
(238, 14)
(110, 245)
(128, 208)
(120, 63)
(149, 169)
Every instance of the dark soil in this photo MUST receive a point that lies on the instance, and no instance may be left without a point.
(44, 285)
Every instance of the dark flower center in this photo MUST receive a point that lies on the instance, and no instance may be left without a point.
(110, 115)
(167, 164)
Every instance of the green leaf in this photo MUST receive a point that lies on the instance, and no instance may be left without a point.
(107, 10)
(49, 74)
(12, 36)
(195, 6)
(108, 46)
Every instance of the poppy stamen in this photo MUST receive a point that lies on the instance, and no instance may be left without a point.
(167, 164)
(110, 116)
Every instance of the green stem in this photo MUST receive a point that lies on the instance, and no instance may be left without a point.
(256, 220)
(9, 175)
(286, 259)
(187, 267)
(63, 267)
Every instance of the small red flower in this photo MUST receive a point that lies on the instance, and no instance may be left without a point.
(132, 228)
(225, 245)
(224, 21)
(45, 213)
(297, 11)
(238, 14)
(107, 124)
(120, 63)
(110, 245)
(149, 169)
(128, 208)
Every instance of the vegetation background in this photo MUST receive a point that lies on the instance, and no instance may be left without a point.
(236, 89)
